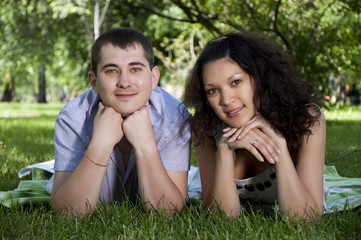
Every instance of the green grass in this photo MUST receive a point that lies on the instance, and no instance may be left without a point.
(27, 140)
(29, 109)
(343, 136)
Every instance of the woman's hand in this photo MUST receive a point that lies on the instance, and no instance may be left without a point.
(258, 137)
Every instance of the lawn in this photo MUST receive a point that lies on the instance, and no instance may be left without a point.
(26, 137)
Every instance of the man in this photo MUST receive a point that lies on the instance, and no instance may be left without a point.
(123, 136)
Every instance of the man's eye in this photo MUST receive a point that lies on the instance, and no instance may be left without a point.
(135, 69)
(110, 71)
(236, 82)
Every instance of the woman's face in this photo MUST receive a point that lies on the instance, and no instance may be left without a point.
(229, 91)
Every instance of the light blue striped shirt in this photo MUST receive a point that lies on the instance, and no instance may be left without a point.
(74, 128)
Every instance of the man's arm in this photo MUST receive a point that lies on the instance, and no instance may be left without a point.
(159, 189)
(77, 192)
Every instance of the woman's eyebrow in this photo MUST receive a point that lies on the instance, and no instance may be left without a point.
(233, 75)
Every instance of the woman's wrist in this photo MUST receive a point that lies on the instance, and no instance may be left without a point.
(223, 146)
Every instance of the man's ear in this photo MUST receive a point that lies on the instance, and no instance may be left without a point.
(155, 76)
(92, 79)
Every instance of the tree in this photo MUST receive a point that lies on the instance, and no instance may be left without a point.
(45, 34)
(28, 29)
(322, 36)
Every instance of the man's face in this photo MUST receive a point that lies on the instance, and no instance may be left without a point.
(124, 80)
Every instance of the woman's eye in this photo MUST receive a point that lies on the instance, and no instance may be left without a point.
(212, 91)
(236, 82)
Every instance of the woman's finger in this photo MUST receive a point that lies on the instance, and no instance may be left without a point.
(235, 135)
(229, 132)
(265, 145)
(254, 151)
(257, 122)
(226, 129)
(259, 144)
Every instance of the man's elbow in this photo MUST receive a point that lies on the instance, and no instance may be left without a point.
(64, 208)
(169, 208)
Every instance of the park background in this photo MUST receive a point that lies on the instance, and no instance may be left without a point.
(44, 62)
(45, 44)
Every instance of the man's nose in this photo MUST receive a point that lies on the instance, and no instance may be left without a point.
(124, 81)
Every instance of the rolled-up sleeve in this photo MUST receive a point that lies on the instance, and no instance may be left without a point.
(70, 142)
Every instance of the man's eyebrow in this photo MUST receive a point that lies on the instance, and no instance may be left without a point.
(137, 63)
(130, 64)
(109, 65)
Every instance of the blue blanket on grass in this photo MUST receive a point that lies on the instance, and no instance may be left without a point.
(344, 193)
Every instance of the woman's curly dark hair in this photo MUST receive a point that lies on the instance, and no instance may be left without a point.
(285, 100)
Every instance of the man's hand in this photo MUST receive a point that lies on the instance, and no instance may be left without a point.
(107, 126)
(138, 129)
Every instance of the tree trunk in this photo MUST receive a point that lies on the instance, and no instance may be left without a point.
(9, 90)
(98, 19)
(42, 84)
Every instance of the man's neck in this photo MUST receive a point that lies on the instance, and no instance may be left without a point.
(125, 149)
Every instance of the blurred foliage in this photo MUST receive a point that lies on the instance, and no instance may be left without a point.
(323, 37)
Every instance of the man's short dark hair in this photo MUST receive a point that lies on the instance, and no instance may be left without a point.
(123, 38)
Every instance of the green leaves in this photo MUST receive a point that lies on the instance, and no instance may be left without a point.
(323, 37)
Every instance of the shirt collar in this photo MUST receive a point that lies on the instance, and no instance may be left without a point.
(157, 105)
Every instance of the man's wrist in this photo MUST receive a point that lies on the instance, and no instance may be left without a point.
(145, 149)
(99, 150)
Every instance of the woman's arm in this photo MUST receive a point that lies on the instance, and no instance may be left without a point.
(217, 177)
(216, 166)
(300, 188)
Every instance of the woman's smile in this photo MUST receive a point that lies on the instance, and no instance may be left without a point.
(234, 112)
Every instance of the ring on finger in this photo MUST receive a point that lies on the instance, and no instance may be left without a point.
(254, 142)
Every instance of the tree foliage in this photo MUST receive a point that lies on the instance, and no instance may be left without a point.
(323, 37)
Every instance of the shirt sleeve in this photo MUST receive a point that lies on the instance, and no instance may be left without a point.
(175, 148)
(70, 141)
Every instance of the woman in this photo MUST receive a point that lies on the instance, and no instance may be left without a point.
(258, 129)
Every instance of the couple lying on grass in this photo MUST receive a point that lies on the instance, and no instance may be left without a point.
(258, 129)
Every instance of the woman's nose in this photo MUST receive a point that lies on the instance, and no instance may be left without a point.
(226, 98)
